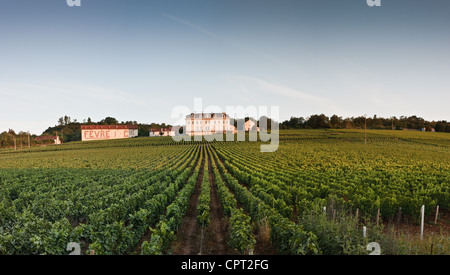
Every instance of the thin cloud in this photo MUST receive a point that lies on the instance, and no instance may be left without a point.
(198, 28)
(257, 85)
(33, 93)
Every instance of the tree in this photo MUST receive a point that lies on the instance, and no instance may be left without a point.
(296, 122)
(5, 140)
(375, 122)
(14, 135)
(318, 122)
(109, 121)
(442, 126)
(67, 120)
(335, 121)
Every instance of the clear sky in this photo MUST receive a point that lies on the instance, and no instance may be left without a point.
(136, 60)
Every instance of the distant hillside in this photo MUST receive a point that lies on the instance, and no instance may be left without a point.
(336, 122)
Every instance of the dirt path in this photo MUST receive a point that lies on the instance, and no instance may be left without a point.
(215, 241)
(188, 237)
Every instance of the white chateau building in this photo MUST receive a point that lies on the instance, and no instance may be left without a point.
(208, 124)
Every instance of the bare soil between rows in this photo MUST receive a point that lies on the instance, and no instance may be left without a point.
(191, 238)
(217, 233)
(189, 233)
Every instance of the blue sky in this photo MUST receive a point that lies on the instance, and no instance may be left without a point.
(138, 59)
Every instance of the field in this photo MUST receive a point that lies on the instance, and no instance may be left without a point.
(154, 196)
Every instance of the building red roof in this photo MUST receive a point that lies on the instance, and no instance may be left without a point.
(46, 138)
(161, 130)
(107, 127)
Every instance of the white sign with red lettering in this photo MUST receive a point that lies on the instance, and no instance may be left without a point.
(102, 134)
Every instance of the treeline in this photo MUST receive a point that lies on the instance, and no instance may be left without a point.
(11, 139)
(20, 140)
(337, 122)
(69, 130)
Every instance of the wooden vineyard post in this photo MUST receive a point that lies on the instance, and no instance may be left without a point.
(357, 214)
(365, 130)
(378, 217)
(437, 214)
(364, 232)
(422, 212)
(399, 217)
